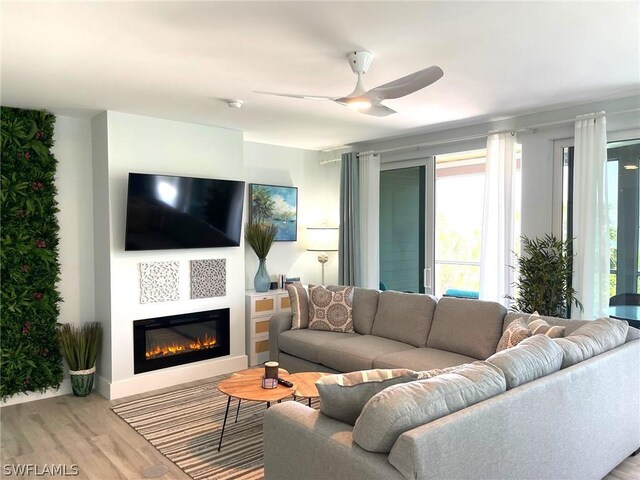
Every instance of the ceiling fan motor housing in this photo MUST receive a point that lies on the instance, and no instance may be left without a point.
(360, 61)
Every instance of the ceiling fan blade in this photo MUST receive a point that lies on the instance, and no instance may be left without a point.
(378, 111)
(406, 85)
(292, 95)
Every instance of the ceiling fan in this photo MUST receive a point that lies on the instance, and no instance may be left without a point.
(370, 101)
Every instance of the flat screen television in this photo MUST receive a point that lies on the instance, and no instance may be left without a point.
(169, 212)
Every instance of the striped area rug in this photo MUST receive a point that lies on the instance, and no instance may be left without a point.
(185, 425)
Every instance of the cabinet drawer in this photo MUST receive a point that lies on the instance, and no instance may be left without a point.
(284, 303)
(258, 350)
(263, 306)
(261, 327)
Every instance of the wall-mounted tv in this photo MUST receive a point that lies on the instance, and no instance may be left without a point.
(169, 212)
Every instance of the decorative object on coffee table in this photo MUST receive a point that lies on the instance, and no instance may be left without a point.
(260, 236)
(79, 347)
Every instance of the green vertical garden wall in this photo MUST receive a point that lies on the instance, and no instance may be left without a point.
(31, 358)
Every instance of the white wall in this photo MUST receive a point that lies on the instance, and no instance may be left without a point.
(318, 204)
(150, 145)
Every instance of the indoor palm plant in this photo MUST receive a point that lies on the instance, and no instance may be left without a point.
(80, 347)
(260, 236)
(544, 277)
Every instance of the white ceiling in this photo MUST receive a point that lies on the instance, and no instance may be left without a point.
(175, 59)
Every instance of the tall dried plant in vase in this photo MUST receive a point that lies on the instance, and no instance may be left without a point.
(260, 237)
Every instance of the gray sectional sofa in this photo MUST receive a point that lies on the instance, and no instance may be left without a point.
(577, 422)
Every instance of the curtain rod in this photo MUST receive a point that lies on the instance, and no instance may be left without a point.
(530, 128)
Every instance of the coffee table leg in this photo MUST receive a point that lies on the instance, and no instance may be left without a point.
(268, 404)
(309, 401)
(224, 423)
(238, 410)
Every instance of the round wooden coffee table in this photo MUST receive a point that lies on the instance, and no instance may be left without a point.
(246, 385)
(305, 384)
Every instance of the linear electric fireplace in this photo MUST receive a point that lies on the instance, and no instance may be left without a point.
(178, 339)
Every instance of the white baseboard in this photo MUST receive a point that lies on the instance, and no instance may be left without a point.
(144, 382)
(168, 377)
(65, 389)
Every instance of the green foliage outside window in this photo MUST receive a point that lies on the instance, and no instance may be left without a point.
(30, 356)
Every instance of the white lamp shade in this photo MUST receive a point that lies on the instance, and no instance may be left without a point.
(322, 239)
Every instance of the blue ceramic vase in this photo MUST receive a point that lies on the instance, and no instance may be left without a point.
(262, 282)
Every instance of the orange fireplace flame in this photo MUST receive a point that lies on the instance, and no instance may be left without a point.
(174, 348)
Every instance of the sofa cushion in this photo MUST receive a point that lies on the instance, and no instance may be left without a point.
(516, 332)
(467, 327)
(343, 396)
(594, 338)
(405, 317)
(331, 310)
(357, 352)
(400, 408)
(365, 306)
(306, 343)
(532, 358)
(299, 300)
(421, 359)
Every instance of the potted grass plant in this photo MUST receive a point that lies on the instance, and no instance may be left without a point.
(260, 236)
(80, 347)
(544, 277)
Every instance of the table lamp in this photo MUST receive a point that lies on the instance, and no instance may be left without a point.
(323, 240)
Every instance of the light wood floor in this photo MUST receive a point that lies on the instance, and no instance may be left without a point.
(84, 431)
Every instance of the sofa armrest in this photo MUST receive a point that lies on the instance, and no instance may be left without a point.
(300, 442)
(278, 323)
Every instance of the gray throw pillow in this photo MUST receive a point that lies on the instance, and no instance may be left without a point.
(343, 396)
(400, 408)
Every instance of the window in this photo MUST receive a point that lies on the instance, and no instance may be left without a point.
(623, 159)
(459, 199)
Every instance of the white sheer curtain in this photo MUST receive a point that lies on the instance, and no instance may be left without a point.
(498, 223)
(590, 217)
(369, 170)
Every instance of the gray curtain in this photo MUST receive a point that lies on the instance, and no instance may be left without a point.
(349, 245)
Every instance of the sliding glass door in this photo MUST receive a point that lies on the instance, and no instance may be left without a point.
(623, 198)
(406, 226)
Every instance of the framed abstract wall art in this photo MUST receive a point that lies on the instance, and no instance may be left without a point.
(277, 205)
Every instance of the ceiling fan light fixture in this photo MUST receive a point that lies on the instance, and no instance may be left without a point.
(358, 103)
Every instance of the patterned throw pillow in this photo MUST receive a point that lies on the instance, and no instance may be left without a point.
(299, 305)
(539, 327)
(331, 310)
(514, 334)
